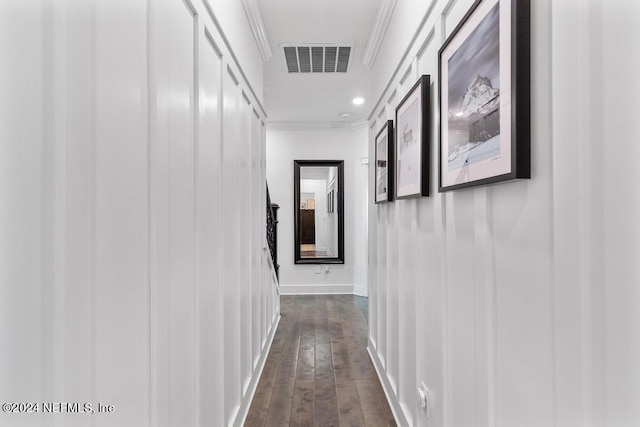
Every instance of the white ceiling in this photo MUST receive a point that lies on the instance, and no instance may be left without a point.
(304, 97)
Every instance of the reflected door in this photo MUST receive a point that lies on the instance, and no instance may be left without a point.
(307, 226)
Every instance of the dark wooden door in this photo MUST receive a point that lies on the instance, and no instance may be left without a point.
(307, 226)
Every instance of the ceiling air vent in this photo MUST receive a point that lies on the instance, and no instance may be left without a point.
(317, 58)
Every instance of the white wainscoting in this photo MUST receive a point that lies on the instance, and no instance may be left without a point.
(517, 304)
(130, 139)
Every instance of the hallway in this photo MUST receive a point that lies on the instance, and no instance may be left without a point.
(137, 142)
(318, 371)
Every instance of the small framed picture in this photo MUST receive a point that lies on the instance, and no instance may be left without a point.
(412, 142)
(303, 206)
(384, 164)
(484, 96)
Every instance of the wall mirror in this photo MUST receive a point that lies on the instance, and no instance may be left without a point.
(318, 193)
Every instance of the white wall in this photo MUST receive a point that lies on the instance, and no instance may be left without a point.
(125, 144)
(517, 304)
(283, 147)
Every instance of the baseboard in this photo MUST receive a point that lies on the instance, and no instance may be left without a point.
(315, 289)
(394, 403)
(241, 416)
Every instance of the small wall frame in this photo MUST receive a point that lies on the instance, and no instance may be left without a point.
(411, 155)
(383, 185)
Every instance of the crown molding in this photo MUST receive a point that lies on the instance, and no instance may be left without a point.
(254, 16)
(383, 17)
(429, 14)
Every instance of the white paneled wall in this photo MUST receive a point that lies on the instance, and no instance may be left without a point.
(517, 304)
(133, 262)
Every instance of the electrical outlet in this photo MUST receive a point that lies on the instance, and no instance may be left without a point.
(423, 397)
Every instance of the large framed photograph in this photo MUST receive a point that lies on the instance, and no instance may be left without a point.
(412, 142)
(384, 164)
(484, 96)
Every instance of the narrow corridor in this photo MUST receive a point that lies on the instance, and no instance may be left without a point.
(318, 371)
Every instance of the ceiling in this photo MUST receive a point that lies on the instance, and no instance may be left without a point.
(321, 96)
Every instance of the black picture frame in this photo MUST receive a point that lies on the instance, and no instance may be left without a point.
(485, 138)
(412, 142)
(335, 200)
(383, 175)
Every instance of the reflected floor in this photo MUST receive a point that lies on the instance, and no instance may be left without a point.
(309, 251)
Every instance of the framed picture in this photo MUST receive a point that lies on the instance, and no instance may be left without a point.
(311, 204)
(484, 96)
(412, 142)
(384, 164)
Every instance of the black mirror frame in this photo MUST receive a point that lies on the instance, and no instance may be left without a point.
(296, 210)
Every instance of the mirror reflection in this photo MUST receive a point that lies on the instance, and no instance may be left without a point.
(319, 216)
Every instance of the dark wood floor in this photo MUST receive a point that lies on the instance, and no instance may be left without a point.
(318, 372)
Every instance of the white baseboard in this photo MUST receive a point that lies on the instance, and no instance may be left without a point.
(394, 403)
(315, 289)
(243, 411)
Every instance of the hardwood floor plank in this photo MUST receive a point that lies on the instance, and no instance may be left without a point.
(288, 364)
(372, 406)
(360, 362)
(279, 413)
(335, 330)
(306, 363)
(270, 369)
(324, 362)
(303, 409)
(349, 408)
(260, 405)
(289, 354)
(341, 362)
(326, 404)
(322, 322)
(286, 303)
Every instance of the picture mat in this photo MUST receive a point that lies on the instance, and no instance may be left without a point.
(409, 153)
(493, 166)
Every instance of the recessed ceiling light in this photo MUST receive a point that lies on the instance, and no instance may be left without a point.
(345, 115)
(459, 114)
(358, 101)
